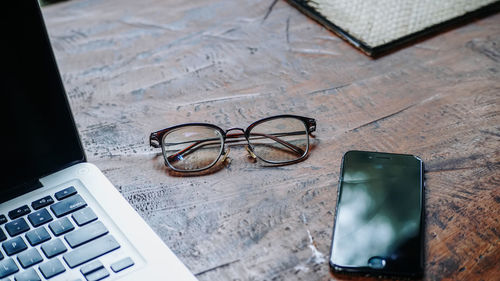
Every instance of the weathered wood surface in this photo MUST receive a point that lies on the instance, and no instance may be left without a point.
(131, 67)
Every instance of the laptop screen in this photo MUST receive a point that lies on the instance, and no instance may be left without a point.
(38, 132)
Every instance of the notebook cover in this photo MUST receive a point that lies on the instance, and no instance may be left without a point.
(377, 27)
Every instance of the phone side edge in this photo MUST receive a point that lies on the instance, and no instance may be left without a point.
(422, 218)
(333, 266)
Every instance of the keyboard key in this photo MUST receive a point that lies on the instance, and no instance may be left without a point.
(91, 250)
(3, 219)
(68, 205)
(1, 257)
(37, 236)
(40, 203)
(29, 258)
(51, 268)
(2, 235)
(86, 234)
(61, 226)
(122, 264)
(97, 275)
(91, 267)
(16, 227)
(65, 193)
(21, 211)
(53, 248)
(28, 275)
(84, 216)
(40, 217)
(8, 267)
(14, 246)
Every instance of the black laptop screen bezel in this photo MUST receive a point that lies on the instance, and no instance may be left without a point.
(39, 133)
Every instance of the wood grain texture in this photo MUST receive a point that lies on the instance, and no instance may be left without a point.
(133, 67)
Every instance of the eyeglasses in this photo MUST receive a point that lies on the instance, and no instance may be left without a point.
(194, 147)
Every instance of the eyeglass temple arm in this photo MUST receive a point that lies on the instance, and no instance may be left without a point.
(296, 149)
(154, 140)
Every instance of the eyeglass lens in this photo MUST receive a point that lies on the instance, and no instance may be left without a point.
(279, 140)
(192, 147)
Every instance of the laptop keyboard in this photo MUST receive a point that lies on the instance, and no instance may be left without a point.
(45, 240)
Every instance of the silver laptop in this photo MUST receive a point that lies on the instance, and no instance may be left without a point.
(60, 218)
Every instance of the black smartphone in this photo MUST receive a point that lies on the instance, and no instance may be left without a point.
(378, 228)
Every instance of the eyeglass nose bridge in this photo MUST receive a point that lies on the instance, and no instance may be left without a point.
(248, 148)
(236, 135)
(236, 129)
(225, 155)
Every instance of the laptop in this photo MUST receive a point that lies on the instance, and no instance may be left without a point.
(60, 217)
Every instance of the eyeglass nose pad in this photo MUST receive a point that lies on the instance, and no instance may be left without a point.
(250, 152)
(225, 157)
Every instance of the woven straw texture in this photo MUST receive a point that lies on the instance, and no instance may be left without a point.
(379, 22)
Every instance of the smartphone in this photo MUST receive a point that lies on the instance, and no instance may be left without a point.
(379, 218)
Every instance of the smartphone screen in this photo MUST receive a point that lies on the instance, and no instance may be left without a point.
(379, 217)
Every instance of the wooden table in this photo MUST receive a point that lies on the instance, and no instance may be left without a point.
(132, 67)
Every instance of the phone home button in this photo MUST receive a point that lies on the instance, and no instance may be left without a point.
(377, 262)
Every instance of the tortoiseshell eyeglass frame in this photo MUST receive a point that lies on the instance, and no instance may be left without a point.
(156, 138)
